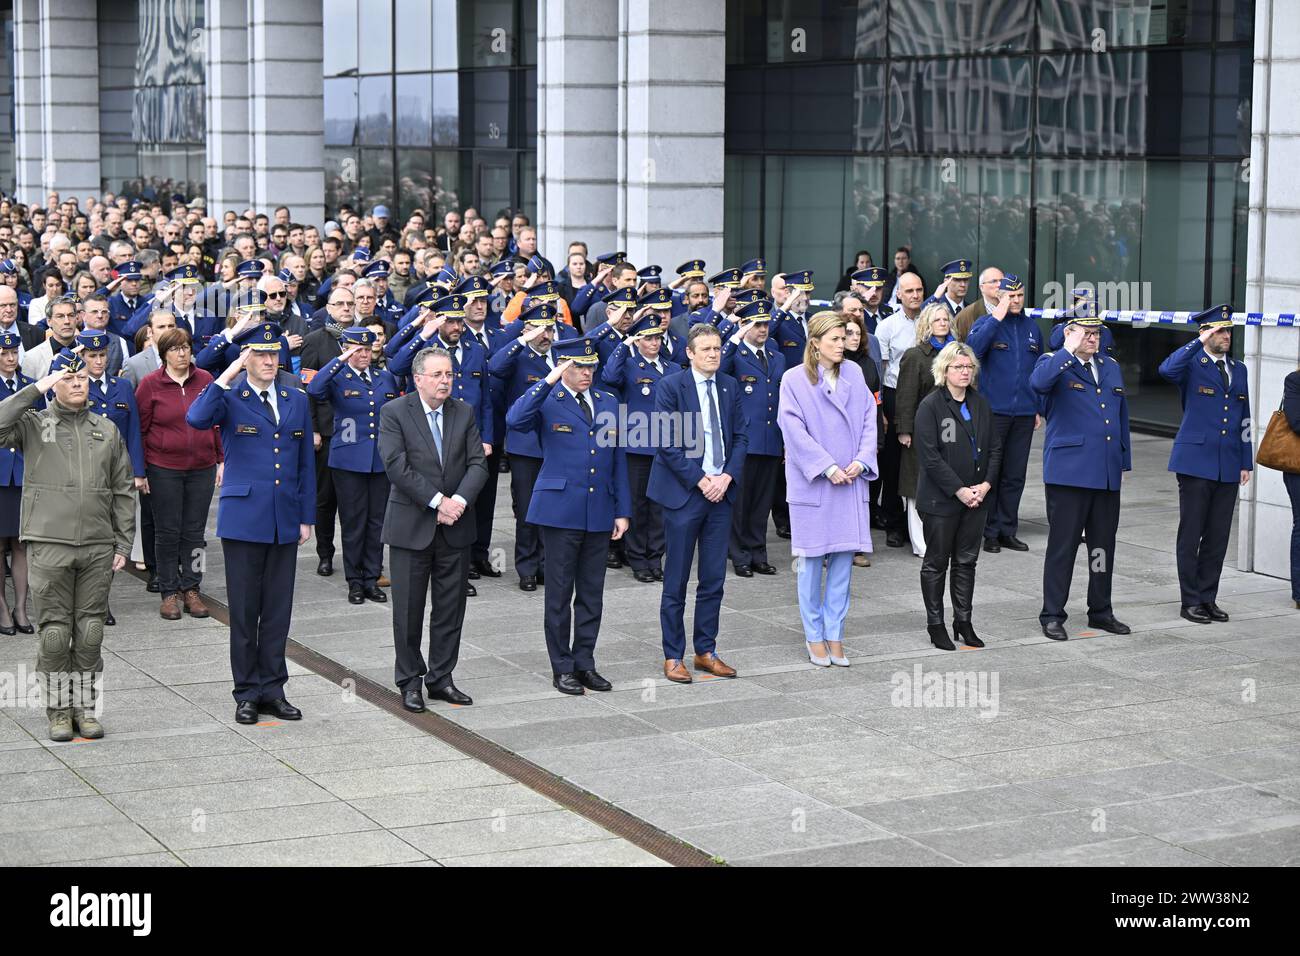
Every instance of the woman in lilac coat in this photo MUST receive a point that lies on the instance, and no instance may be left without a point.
(828, 419)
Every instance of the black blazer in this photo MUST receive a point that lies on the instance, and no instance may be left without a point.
(943, 466)
(317, 349)
(31, 336)
(411, 461)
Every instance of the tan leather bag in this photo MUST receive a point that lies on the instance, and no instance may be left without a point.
(1280, 447)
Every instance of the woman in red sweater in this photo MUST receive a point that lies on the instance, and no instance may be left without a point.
(183, 466)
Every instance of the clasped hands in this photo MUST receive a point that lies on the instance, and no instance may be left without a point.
(449, 510)
(843, 476)
(973, 496)
(714, 487)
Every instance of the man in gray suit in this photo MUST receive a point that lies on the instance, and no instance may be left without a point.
(433, 454)
(146, 360)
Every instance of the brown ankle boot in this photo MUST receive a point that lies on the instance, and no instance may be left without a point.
(171, 607)
(194, 605)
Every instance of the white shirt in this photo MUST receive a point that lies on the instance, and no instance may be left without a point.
(896, 335)
(1091, 366)
(437, 499)
(702, 391)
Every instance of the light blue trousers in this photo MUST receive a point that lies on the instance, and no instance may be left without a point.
(823, 613)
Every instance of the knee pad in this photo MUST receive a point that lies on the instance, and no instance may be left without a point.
(94, 634)
(54, 639)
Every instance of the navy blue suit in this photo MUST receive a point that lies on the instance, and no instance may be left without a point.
(1085, 452)
(11, 465)
(485, 504)
(118, 405)
(267, 492)
(760, 392)
(120, 314)
(1213, 447)
(689, 517)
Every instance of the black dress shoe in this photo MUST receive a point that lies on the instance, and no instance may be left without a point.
(326, 567)
(1012, 542)
(279, 708)
(413, 701)
(939, 637)
(966, 632)
(613, 561)
(245, 712)
(659, 576)
(473, 575)
(485, 568)
(896, 539)
(592, 681)
(153, 587)
(744, 571)
(644, 575)
(567, 684)
(22, 628)
(528, 583)
(1109, 624)
(109, 620)
(762, 567)
(375, 594)
(470, 590)
(356, 594)
(1055, 630)
(783, 532)
(1196, 614)
(450, 695)
(1216, 613)
(991, 545)
(9, 631)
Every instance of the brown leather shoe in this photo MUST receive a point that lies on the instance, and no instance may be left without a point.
(194, 605)
(171, 607)
(383, 581)
(676, 672)
(714, 665)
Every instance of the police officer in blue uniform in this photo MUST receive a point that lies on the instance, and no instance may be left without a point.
(386, 306)
(248, 309)
(620, 307)
(951, 292)
(266, 510)
(580, 501)
(520, 365)
(753, 275)
(791, 321)
(751, 359)
(635, 367)
(661, 305)
(1082, 304)
(691, 270)
(126, 301)
(357, 393)
(1085, 452)
(869, 285)
(13, 381)
(1212, 457)
(181, 296)
(9, 277)
(1008, 344)
(725, 286)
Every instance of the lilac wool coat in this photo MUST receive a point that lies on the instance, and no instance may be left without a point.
(823, 428)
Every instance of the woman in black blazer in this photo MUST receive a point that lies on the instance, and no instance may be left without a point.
(1291, 408)
(958, 456)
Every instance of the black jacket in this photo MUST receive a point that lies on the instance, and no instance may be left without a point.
(318, 348)
(944, 457)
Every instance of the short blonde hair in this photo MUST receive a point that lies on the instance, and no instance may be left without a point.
(925, 321)
(949, 354)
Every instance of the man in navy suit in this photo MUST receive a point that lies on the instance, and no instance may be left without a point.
(694, 477)
(1212, 456)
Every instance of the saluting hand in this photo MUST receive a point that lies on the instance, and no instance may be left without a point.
(1073, 338)
(532, 333)
(350, 351)
(235, 367)
(49, 381)
(558, 371)
(999, 311)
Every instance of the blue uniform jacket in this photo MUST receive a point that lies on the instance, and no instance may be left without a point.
(1214, 439)
(118, 406)
(1056, 340)
(268, 487)
(354, 446)
(583, 480)
(220, 353)
(605, 339)
(120, 314)
(790, 338)
(518, 368)
(1087, 440)
(471, 384)
(635, 379)
(1008, 351)
(679, 465)
(760, 393)
(11, 460)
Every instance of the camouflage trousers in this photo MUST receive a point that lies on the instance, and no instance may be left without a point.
(69, 587)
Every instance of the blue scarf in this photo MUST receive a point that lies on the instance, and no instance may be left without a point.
(940, 343)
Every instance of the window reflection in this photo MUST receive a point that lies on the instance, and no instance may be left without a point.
(446, 109)
(340, 112)
(976, 105)
(339, 29)
(1098, 25)
(959, 26)
(414, 109)
(414, 35)
(375, 100)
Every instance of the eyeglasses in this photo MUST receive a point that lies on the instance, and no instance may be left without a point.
(276, 295)
(961, 368)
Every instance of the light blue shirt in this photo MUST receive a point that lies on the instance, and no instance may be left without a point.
(437, 418)
(702, 391)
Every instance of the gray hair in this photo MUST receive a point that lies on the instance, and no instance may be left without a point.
(147, 257)
(423, 356)
(364, 284)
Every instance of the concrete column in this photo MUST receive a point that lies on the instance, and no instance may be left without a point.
(673, 99)
(287, 108)
(28, 117)
(1264, 526)
(69, 94)
(225, 65)
(577, 125)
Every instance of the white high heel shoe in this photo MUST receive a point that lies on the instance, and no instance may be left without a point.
(839, 660)
(819, 661)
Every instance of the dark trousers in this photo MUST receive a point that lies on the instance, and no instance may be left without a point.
(259, 586)
(441, 573)
(1016, 432)
(362, 499)
(485, 506)
(529, 552)
(1205, 510)
(708, 525)
(780, 507)
(575, 592)
(326, 502)
(749, 516)
(1070, 512)
(892, 515)
(148, 541)
(1292, 483)
(180, 502)
(645, 533)
(956, 539)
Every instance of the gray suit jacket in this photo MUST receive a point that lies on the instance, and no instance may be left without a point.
(140, 365)
(411, 461)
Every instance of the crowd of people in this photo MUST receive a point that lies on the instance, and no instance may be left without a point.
(378, 377)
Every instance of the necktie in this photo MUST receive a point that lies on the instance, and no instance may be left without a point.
(9, 384)
(266, 402)
(762, 359)
(715, 426)
(365, 377)
(586, 409)
(478, 337)
(435, 426)
(549, 363)
(1223, 373)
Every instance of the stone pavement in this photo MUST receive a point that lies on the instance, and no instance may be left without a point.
(1178, 744)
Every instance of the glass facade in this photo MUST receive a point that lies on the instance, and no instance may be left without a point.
(1068, 141)
(152, 112)
(431, 104)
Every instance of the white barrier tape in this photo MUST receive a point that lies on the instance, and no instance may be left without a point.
(1282, 319)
